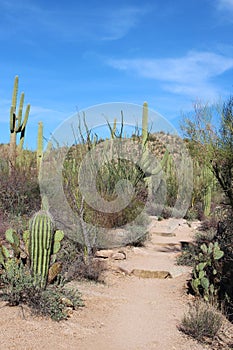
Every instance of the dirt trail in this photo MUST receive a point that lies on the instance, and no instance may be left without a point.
(128, 312)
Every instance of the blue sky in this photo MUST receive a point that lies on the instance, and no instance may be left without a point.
(75, 54)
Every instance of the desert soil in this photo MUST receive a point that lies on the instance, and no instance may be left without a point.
(127, 312)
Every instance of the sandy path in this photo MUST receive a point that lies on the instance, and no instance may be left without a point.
(127, 313)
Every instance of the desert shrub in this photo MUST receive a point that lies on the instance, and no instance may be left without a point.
(76, 265)
(225, 239)
(187, 256)
(54, 301)
(16, 282)
(205, 236)
(210, 223)
(17, 288)
(201, 321)
(19, 192)
(195, 212)
(91, 270)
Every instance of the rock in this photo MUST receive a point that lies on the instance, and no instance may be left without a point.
(54, 270)
(67, 302)
(110, 254)
(151, 274)
(163, 234)
(69, 311)
(104, 254)
(119, 256)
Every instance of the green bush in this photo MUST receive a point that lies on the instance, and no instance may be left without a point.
(18, 288)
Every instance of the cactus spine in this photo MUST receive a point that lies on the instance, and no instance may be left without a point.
(17, 125)
(40, 246)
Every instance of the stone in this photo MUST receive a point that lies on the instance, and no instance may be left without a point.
(104, 254)
(119, 256)
(151, 274)
(163, 234)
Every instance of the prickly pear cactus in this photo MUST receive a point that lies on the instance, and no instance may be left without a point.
(206, 271)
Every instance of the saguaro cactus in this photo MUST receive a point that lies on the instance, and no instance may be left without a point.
(42, 229)
(145, 124)
(208, 180)
(39, 153)
(17, 123)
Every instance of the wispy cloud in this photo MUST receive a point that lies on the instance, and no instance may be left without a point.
(225, 10)
(118, 23)
(225, 5)
(67, 23)
(191, 75)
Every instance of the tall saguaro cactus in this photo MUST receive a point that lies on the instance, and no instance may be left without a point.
(39, 153)
(145, 124)
(17, 123)
(208, 179)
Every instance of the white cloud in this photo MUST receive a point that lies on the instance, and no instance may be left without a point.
(190, 75)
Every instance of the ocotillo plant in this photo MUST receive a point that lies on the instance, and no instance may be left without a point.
(41, 229)
(17, 124)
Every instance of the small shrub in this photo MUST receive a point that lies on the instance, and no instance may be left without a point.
(18, 289)
(209, 224)
(16, 282)
(192, 214)
(205, 237)
(19, 192)
(54, 302)
(91, 270)
(201, 321)
(187, 256)
(76, 266)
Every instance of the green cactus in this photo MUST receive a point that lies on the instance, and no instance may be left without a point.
(44, 241)
(17, 125)
(205, 272)
(14, 241)
(40, 245)
(113, 129)
(39, 153)
(4, 255)
(58, 237)
(145, 125)
(208, 180)
(15, 250)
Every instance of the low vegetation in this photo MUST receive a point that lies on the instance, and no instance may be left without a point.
(202, 321)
